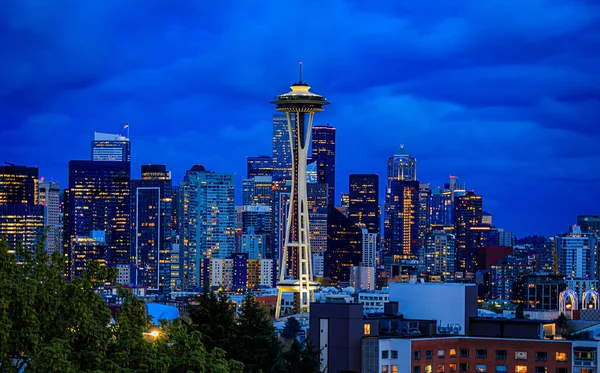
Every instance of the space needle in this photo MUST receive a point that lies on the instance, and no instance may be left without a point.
(299, 106)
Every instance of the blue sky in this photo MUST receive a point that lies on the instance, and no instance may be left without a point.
(503, 94)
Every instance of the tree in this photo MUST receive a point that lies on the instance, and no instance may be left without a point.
(291, 328)
(213, 316)
(256, 344)
(519, 314)
(302, 358)
(50, 324)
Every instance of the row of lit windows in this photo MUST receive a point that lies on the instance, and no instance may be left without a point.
(482, 354)
(479, 368)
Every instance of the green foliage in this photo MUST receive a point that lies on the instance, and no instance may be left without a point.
(302, 358)
(213, 316)
(291, 328)
(50, 324)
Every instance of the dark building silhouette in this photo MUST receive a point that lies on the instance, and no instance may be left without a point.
(344, 246)
(589, 223)
(363, 205)
(152, 217)
(97, 207)
(323, 152)
(18, 185)
(261, 165)
(467, 214)
(401, 231)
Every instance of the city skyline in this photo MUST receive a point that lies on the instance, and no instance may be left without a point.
(511, 116)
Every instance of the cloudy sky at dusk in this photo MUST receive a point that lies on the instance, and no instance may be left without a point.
(503, 94)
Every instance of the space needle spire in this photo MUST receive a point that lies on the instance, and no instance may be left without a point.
(295, 271)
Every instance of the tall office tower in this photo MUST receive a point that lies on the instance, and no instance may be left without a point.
(261, 165)
(369, 246)
(152, 217)
(253, 244)
(257, 191)
(589, 223)
(21, 215)
(50, 199)
(323, 153)
(577, 254)
(110, 147)
(97, 207)
(455, 187)
(401, 230)
(317, 195)
(207, 222)
(467, 214)
(439, 254)
(401, 166)
(282, 153)
(441, 208)
(279, 209)
(299, 106)
(344, 247)
(363, 204)
(424, 223)
(504, 274)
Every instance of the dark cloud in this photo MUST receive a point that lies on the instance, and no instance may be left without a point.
(504, 94)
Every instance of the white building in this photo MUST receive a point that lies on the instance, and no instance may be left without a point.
(49, 196)
(577, 254)
(362, 277)
(369, 248)
(373, 301)
(451, 304)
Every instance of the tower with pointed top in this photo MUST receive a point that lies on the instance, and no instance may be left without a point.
(295, 273)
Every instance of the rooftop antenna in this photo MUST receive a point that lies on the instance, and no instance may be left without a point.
(300, 81)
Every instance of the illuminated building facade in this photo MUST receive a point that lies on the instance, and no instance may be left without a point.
(207, 220)
(424, 200)
(402, 222)
(401, 166)
(239, 273)
(363, 204)
(21, 215)
(589, 224)
(323, 153)
(257, 191)
(152, 210)
(467, 214)
(49, 197)
(261, 165)
(98, 199)
(505, 273)
(441, 208)
(577, 254)
(282, 153)
(439, 254)
(299, 106)
(110, 147)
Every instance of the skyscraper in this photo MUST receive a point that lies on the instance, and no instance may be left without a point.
(207, 224)
(110, 147)
(323, 153)
(401, 166)
(344, 247)
(424, 222)
(282, 153)
(363, 204)
(21, 215)
(97, 206)
(261, 165)
(439, 254)
(50, 198)
(467, 214)
(152, 210)
(402, 223)
(299, 106)
(589, 223)
(577, 254)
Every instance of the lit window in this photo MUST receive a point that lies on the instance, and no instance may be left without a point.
(428, 368)
(440, 368)
(441, 353)
(521, 369)
(561, 356)
(394, 368)
(521, 355)
(367, 329)
(500, 368)
(452, 367)
(452, 352)
(481, 368)
(384, 369)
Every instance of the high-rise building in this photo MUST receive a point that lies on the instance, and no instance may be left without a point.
(577, 254)
(97, 201)
(49, 196)
(467, 214)
(253, 244)
(299, 106)
(21, 215)
(369, 247)
(589, 223)
(282, 153)
(402, 221)
(261, 165)
(257, 191)
(110, 147)
(439, 254)
(344, 247)
(401, 166)
(441, 208)
(363, 204)
(207, 222)
(323, 153)
(152, 210)
(424, 223)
